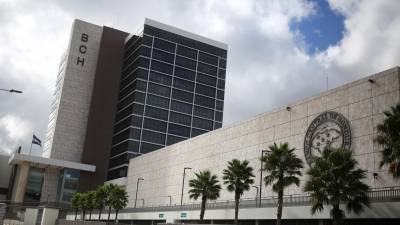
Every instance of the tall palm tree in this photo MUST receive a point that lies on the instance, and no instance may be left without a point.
(109, 188)
(334, 179)
(206, 186)
(389, 138)
(84, 204)
(119, 200)
(100, 198)
(238, 177)
(76, 202)
(90, 201)
(283, 167)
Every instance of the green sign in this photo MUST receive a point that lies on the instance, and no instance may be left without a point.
(161, 215)
(183, 215)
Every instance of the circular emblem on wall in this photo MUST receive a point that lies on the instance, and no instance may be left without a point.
(329, 129)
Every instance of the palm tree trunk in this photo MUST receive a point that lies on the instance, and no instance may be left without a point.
(336, 215)
(109, 212)
(280, 206)
(116, 216)
(237, 198)
(100, 210)
(90, 214)
(203, 209)
(84, 214)
(76, 213)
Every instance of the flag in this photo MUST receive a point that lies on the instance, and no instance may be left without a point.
(36, 141)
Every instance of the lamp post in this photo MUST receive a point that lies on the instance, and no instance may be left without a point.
(170, 199)
(142, 201)
(183, 182)
(137, 187)
(11, 90)
(261, 178)
(256, 187)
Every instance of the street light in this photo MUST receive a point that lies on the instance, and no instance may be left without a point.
(11, 90)
(183, 182)
(256, 187)
(137, 187)
(142, 202)
(170, 199)
(261, 178)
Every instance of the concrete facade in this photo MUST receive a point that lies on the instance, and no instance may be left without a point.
(362, 102)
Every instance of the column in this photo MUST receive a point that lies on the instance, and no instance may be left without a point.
(21, 181)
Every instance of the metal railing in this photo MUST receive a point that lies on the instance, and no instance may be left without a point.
(375, 195)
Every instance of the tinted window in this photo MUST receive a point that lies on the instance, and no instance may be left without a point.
(159, 90)
(220, 94)
(179, 130)
(183, 84)
(182, 95)
(184, 73)
(160, 78)
(157, 101)
(164, 45)
(180, 118)
(145, 51)
(155, 125)
(220, 105)
(161, 67)
(188, 52)
(164, 56)
(221, 73)
(217, 125)
(181, 107)
(208, 58)
(204, 68)
(153, 137)
(203, 112)
(138, 109)
(205, 90)
(218, 116)
(221, 84)
(222, 63)
(147, 40)
(202, 123)
(156, 113)
(147, 147)
(206, 79)
(187, 63)
(197, 132)
(174, 139)
(204, 101)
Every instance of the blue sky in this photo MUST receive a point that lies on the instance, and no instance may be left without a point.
(322, 29)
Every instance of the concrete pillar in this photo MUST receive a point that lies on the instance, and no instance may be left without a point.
(30, 216)
(257, 222)
(21, 181)
(49, 216)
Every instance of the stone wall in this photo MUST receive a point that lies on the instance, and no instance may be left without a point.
(362, 102)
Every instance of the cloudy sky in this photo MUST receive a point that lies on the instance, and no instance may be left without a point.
(280, 51)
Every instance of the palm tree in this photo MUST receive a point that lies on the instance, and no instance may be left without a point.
(119, 200)
(90, 201)
(389, 138)
(284, 168)
(76, 202)
(109, 188)
(334, 179)
(100, 198)
(206, 186)
(84, 204)
(238, 177)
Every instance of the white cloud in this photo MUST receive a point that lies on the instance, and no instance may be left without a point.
(13, 130)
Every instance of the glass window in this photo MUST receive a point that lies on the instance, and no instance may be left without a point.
(122, 124)
(34, 184)
(163, 56)
(135, 133)
(155, 125)
(161, 67)
(221, 84)
(179, 130)
(144, 50)
(122, 114)
(160, 78)
(218, 116)
(184, 62)
(204, 101)
(208, 58)
(181, 107)
(156, 113)
(143, 62)
(204, 68)
(157, 101)
(188, 52)
(117, 173)
(220, 94)
(220, 105)
(137, 121)
(147, 40)
(183, 84)
(174, 139)
(153, 137)
(202, 123)
(221, 73)
(141, 85)
(205, 90)
(203, 112)
(182, 95)
(222, 63)
(184, 73)
(68, 181)
(164, 45)
(125, 146)
(197, 132)
(206, 79)
(180, 118)
(159, 90)
(134, 97)
(147, 147)
(121, 136)
(118, 160)
(139, 73)
(138, 109)
(217, 125)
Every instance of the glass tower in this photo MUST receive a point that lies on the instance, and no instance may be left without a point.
(171, 89)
